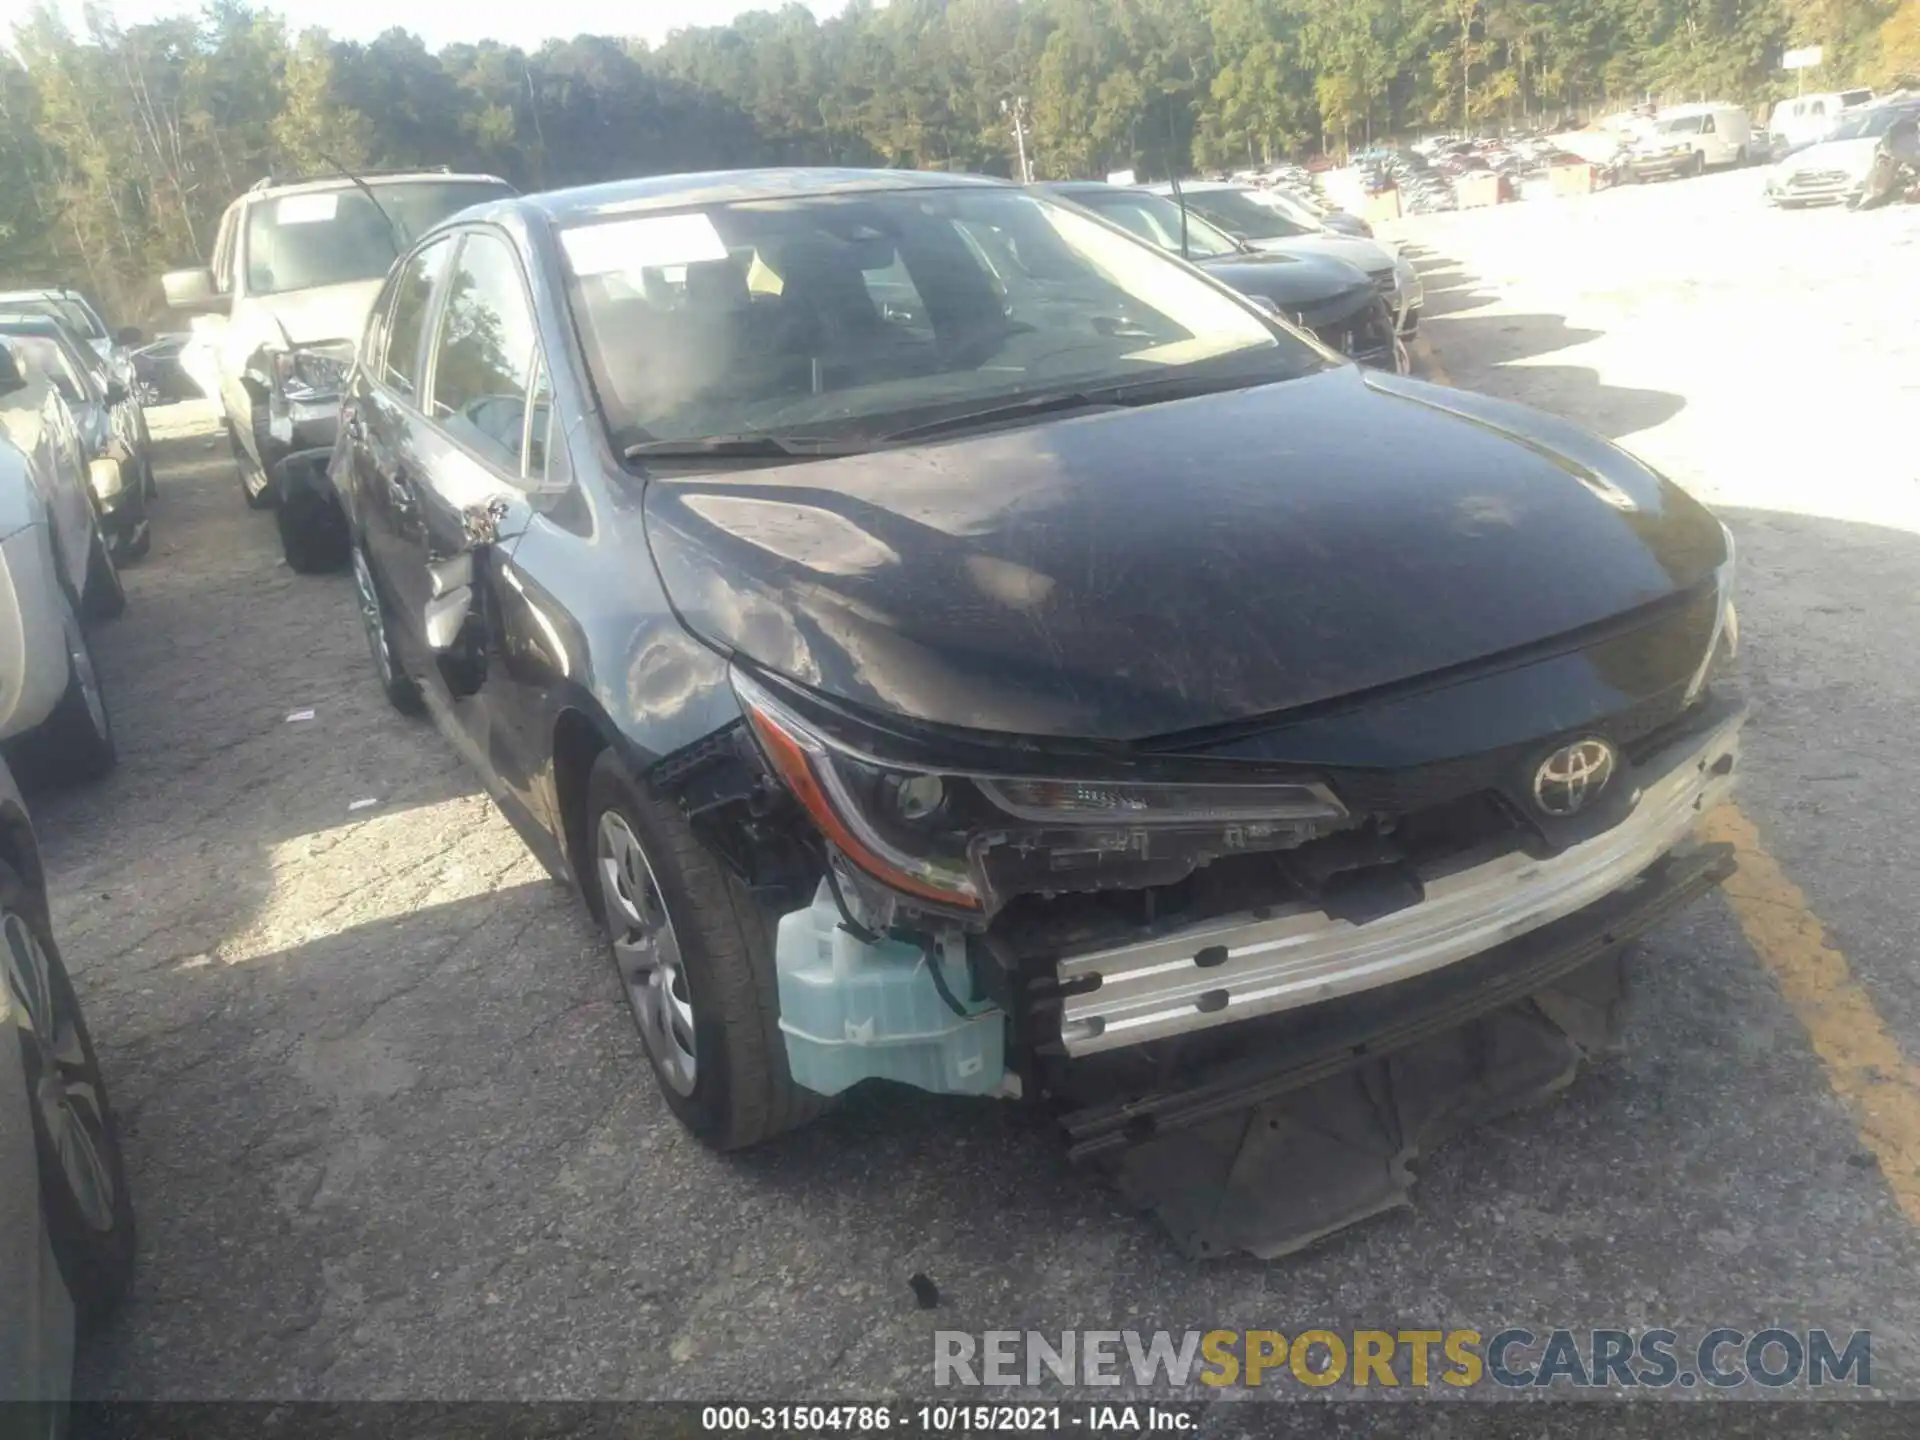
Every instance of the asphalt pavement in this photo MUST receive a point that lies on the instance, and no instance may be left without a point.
(391, 1134)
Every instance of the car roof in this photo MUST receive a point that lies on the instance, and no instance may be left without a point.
(14, 323)
(725, 187)
(1071, 188)
(342, 182)
(21, 324)
(1698, 107)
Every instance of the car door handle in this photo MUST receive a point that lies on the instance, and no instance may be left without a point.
(356, 427)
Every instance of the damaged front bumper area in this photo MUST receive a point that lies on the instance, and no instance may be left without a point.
(972, 932)
(1259, 963)
(1319, 1123)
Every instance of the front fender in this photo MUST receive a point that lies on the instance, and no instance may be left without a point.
(33, 636)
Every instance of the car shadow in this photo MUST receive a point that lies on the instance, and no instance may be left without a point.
(1499, 354)
(220, 648)
(444, 1118)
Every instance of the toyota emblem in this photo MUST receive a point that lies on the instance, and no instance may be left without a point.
(1571, 776)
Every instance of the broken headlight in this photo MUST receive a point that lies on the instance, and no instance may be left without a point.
(932, 835)
(1724, 646)
(311, 374)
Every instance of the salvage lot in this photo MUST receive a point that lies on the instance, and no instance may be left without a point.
(391, 1134)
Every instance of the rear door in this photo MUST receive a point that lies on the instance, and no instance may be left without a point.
(382, 429)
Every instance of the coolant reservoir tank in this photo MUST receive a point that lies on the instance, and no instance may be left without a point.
(851, 1011)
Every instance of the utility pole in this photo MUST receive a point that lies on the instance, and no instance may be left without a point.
(1016, 109)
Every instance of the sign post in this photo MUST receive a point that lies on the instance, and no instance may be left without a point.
(1800, 61)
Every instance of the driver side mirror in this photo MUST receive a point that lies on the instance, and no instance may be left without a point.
(11, 377)
(192, 291)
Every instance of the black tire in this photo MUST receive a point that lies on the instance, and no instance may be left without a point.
(96, 1263)
(74, 745)
(135, 542)
(1698, 165)
(313, 532)
(149, 486)
(742, 1093)
(104, 598)
(377, 621)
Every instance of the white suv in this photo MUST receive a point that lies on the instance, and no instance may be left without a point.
(278, 312)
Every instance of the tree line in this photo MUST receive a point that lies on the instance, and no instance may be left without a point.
(121, 145)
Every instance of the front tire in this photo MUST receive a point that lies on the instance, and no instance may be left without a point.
(399, 687)
(135, 540)
(83, 1179)
(313, 532)
(694, 956)
(104, 597)
(74, 745)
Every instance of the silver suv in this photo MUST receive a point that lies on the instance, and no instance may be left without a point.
(279, 311)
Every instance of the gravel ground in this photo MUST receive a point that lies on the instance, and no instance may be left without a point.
(390, 1131)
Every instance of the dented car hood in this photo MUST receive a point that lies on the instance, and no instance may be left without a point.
(1137, 573)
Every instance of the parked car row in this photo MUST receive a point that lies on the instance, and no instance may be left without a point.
(76, 484)
(1855, 160)
(1269, 223)
(946, 638)
(74, 472)
(1330, 296)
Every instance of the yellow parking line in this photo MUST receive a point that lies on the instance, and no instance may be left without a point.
(1863, 1061)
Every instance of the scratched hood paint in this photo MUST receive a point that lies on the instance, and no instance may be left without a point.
(1136, 573)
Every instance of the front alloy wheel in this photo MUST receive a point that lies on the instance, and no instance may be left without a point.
(61, 1083)
(401, 692)
(646, 951)
(83, 1183)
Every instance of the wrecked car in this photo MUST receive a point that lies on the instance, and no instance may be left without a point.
(1063, 688)
(296, 261)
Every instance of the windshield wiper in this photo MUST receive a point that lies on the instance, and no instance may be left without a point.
(742, 447)
(1105, 397)
(394, 230)
(1007, 410)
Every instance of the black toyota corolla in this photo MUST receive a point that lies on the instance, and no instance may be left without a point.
(947, 640)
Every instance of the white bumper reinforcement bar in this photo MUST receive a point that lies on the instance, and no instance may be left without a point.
(1299, 956)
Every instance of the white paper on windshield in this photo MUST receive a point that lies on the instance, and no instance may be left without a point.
(644, 243)
(307, 209)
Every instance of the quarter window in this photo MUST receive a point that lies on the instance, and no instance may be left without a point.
(407, 323)
(485, 355)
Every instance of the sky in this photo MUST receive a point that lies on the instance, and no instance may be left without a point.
(527, 23)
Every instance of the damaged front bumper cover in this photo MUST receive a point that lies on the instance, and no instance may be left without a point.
(1257, 964)
(1302, 1051)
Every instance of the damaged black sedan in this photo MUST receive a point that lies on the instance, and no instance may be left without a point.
(947, 640)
